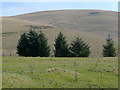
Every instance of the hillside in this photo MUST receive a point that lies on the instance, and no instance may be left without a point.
(92, 25)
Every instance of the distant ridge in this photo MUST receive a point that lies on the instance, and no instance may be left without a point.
(62, 10)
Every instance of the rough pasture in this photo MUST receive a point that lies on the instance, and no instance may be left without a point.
(37, 72)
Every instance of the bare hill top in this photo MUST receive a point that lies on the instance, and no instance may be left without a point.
(94, 21)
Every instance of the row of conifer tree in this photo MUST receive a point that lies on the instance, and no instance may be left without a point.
(32, 44)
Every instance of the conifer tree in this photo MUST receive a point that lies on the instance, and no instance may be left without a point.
(108, 48)
(44, 49)
(22, 46)
(61, 46)
(33, 44)
(79, 48)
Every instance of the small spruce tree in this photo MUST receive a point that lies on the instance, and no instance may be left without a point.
(79, 48)
(44, 49)
(61, 46)
(108, 48)
(33, 43)
(22, 45)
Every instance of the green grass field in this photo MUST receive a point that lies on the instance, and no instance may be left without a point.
(37, 72)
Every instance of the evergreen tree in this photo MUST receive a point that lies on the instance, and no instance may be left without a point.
(32, 44)
(79, 48)
(22, 46)
(44, 49)
(61, 46)
(108, 49)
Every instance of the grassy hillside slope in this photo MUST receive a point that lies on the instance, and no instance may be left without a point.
(91, 25)
(94, 21)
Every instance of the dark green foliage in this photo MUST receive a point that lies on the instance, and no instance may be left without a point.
(109, 50)
(22, 47)
(79, 48)
(44, 49)
(61, 46)
(33, 44)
